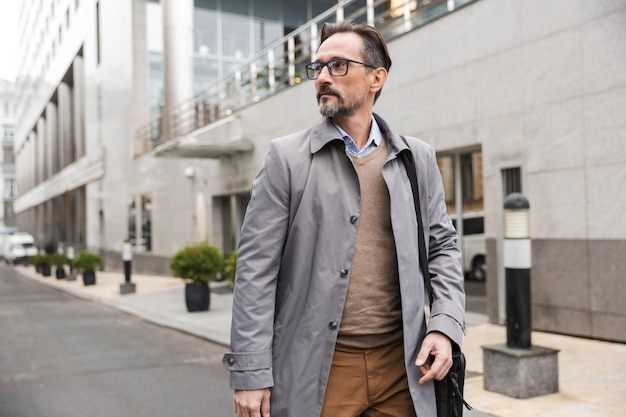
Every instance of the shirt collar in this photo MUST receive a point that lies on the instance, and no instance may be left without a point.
(374, 138)
(324, 132)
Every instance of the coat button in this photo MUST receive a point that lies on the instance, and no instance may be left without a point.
(332, 325)
(344, 273)
(353, 219)
(231, 361)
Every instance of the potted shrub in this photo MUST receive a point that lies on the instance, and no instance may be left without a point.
(197, 264)
(36, 262)
(59, 261)
(45, 264)
(230, 267)
(86, 263)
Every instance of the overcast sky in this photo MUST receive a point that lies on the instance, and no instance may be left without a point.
(8, 39)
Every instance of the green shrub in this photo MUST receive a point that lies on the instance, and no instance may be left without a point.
(59, 260)
(230, 268)
(197, 263)
(36, 260)
(86, 261)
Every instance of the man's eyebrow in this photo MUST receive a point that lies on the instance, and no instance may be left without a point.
(329, 59)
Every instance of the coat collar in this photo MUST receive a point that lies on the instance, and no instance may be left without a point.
(324, 132)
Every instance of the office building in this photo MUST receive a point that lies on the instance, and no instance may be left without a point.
(8, 185)
(148, 121)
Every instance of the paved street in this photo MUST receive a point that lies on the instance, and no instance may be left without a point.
(63, 356)
(592, 373)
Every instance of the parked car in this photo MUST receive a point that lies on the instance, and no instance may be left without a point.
(19, 247)
(473, 245)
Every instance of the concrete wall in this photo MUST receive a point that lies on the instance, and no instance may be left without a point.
(537, 86)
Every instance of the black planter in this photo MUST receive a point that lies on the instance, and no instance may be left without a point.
(46, 270)
(197, 297)
(60, 273)
(89, 277)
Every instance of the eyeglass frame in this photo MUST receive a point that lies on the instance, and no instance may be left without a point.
(328, 67)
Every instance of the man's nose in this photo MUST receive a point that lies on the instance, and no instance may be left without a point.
(324, 76)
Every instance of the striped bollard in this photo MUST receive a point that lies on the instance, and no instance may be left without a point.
(517, 264)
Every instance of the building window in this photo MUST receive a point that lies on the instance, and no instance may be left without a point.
(228, 212)
(146, 223)
(9, 213)
(511, 181)
(143, 241)
(9, 156)
(462, 175)
(10, 187)
(471, 179)
(8, 133)
(132, 232)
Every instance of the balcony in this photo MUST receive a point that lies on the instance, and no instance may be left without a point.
(206, 125)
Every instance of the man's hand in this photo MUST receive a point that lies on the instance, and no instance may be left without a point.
(254, 403)
(439, 346)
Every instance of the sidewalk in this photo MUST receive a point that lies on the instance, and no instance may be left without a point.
(592, 374)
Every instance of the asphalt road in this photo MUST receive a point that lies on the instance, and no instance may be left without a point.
(62, 357)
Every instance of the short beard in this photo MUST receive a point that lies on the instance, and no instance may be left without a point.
(339, 110)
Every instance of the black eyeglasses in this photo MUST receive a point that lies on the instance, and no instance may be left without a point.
(337, 67)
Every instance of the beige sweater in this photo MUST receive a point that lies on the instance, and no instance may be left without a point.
(372, 315)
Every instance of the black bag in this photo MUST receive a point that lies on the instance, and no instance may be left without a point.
(449, 391)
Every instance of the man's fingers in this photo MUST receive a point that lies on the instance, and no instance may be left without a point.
(265, 407)
(423, 354)
(253, 403)
(437, 371)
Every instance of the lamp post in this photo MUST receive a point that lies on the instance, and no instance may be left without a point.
(70, 259)
(190, 174)
(517, 264)
(127, 287)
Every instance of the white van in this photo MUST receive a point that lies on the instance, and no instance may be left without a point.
(19, 247)
(473, 246)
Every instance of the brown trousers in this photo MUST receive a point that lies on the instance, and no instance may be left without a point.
(368, 383)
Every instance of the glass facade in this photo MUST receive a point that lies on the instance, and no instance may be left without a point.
(227, 33)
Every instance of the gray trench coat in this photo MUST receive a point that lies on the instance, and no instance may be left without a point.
(294, 266)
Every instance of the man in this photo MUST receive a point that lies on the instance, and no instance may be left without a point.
(328, 311)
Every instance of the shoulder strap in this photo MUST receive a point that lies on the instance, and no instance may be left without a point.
(411, 170)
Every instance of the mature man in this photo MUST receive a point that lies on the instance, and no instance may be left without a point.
(328, 313)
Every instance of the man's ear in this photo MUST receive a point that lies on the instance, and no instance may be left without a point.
(380, 76)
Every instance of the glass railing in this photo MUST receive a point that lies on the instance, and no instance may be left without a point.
(281, 65)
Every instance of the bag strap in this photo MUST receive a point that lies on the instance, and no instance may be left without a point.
(411, 170)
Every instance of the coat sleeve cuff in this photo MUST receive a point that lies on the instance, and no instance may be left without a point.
(248, 361)
(249, 370)
(451, 326)
(250, 380)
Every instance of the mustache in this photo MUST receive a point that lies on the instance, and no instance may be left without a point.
(324, 89)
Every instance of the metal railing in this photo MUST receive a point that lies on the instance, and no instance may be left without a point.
(281, 64)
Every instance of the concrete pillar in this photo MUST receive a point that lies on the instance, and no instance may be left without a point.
(78, 141)
(51, 138)
(65, 124)
(28, 159)
(40, 166)
(177, 57)
(81, 216)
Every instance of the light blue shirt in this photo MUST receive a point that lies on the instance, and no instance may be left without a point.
(374, 140)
